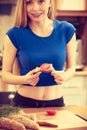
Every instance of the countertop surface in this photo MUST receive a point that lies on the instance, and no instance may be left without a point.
(65, 117)
(78, 110)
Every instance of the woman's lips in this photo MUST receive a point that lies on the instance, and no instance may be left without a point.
(36, 14)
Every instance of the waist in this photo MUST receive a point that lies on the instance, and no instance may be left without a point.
(41, 92)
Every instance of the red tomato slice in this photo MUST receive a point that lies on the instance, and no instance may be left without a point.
(51, 112)
(45, 67)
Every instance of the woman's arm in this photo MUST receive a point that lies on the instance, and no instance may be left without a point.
(10, 76)
(71, 58)
(62, 76)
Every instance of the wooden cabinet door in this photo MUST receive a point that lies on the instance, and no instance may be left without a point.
(76, 5)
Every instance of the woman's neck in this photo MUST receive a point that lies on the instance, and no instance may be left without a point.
(43, 28)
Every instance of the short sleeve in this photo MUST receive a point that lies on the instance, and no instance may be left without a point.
(12, 34)
(69, 31)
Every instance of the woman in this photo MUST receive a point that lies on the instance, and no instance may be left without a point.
(35, 39)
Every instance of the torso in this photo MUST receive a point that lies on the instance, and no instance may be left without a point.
(41, 92)
(54, 43)
(45, 50)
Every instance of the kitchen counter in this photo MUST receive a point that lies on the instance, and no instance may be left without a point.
(65, 118)
(81, 73)
(78, 110)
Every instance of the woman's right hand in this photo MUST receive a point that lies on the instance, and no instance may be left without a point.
(59, 76)
(32, 77)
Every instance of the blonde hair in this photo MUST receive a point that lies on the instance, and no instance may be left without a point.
(21, 18)
(52, 10)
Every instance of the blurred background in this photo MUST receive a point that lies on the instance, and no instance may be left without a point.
(74, 11)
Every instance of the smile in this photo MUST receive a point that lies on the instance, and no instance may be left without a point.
(37, 14)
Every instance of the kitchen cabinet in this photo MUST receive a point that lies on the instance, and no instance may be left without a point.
(71, 5)
(78, 17)
(71, 8)
(75, 91)
(4, 87)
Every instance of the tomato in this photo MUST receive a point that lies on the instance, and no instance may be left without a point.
(51, 112)
(45, 67)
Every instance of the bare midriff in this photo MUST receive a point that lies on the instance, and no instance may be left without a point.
(41, 92)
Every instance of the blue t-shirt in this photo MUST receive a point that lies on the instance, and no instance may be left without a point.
(33, 50)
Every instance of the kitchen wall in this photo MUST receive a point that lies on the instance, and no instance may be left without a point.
(6, 20)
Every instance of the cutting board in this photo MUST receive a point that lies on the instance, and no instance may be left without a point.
(65, 120)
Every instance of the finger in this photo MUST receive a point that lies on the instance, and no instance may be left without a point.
(51, 68)
(59, 81)
(34, 73)
(57, 72)
(35, 76)
(36, 70)
(34, 81)
(37, 73)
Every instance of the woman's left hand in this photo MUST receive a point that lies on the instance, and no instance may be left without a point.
(59, 76)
